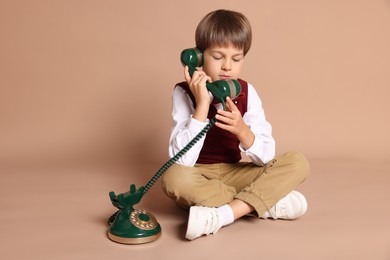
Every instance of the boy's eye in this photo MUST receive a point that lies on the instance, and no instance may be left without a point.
(217, 57)
(237, 58)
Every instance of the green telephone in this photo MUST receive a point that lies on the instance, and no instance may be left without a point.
(133, 226)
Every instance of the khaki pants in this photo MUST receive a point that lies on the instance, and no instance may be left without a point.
(213, 185)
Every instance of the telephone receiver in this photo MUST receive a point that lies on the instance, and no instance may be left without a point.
(220, 89)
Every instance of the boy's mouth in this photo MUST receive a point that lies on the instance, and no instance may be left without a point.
(224, 77)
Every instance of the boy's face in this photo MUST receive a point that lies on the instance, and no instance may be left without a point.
(223, 62)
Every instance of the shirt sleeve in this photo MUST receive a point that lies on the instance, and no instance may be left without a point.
(263, 148)
(184, 128)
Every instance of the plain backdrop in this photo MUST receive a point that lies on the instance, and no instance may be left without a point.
(92, 80)
(85, 108)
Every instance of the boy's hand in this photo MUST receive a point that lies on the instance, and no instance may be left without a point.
(197, 86)
(232, 121)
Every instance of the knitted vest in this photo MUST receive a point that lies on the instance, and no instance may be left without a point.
(221, 146)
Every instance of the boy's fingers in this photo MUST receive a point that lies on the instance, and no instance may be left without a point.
(187, 74)
(231, 104)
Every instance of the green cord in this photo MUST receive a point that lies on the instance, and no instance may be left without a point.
(169, 163)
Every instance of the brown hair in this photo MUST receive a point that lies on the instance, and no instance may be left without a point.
(224, 27)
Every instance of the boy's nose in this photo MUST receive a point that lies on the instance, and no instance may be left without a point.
(226, 66)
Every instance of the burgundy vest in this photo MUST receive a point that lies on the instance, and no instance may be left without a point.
(220, 145)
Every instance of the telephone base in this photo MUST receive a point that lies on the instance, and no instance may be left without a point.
(134, 226)
(133, 241)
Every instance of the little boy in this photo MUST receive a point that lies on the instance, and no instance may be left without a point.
(210, 179)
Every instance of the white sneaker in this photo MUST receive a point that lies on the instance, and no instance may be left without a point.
(292, 206)
(203, 221)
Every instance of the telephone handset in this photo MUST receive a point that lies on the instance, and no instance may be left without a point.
(220, 89)
(133, 226)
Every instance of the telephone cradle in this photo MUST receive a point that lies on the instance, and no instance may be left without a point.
(133, 226)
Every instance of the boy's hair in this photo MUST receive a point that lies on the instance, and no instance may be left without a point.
(224, 27)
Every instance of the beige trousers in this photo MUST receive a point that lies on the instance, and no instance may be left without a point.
(213, 185)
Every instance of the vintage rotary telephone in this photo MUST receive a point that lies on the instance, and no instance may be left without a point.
(133, 226)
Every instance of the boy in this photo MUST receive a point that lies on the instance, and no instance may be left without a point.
(209, 178)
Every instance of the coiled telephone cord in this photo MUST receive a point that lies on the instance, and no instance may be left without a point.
(169, 163)
(177, 156)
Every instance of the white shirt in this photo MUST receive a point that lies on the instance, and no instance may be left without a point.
(185, 128)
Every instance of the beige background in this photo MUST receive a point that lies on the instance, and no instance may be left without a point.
(87, 85)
